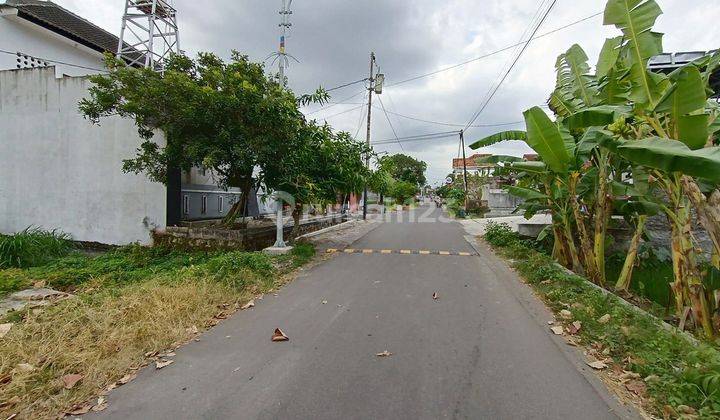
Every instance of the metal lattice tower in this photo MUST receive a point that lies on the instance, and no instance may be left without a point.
(149, 33)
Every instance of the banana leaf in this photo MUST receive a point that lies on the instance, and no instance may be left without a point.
(596, 116)
(544, 136)
(686, 93)
(530, 167)
(670, 156)
(498, 137)
(527, 193)
(498, 159)
(608, 56)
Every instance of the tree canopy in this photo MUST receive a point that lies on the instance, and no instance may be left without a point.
(404, 168)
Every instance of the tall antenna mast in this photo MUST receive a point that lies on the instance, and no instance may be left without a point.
(281, 56)
(149, 33)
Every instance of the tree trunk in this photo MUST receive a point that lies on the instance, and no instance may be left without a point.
(708, 210)
(602, 211)
(239, 209)
(586, 244)
(623, 282)
(297, 212)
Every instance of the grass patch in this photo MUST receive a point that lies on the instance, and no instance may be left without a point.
(127, 303)
(32, 247)
(682, 374)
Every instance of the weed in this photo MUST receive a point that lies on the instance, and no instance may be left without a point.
(33, 247)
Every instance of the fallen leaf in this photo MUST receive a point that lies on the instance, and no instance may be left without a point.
(71, 380)
(39, 284)
(435, 296)
(193, 329)
(151, 353)
(574, 327)
(278, 335)
(127, 378)
(604, 319)
(626, 376)
(551, 322)
(637, 387)
(12, 416)
(598, 364)
(652, 378)
(25, 367)
(625, 330)
(101, 404)
(324, 302)
(565, 313)
(686, 409)
(162, 363)
(5, 328)
(80, 410)
(557, 330)
(384, 354)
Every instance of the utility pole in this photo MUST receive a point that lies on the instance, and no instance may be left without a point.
(367, 139)
(462, 141)
(281, 56)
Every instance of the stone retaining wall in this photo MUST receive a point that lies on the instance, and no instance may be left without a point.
(213, 237)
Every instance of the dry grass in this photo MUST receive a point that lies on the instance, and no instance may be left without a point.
(101, 335)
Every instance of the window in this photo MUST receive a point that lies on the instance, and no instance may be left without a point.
(203, 205)
(186, 204)
(221, 203)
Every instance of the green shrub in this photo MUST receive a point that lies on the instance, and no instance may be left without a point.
(500, 234)
(33, 247)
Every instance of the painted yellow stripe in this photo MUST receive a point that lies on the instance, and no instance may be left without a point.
(368, 251)
(405, 251)
(464, 254)
(386, 251)
(443, 253)
(423, 252)
(331, 251)
(349, 251)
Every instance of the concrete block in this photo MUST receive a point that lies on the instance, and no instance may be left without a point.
(277, 250)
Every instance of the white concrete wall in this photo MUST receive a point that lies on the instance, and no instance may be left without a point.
(20, 35)
(57, 170)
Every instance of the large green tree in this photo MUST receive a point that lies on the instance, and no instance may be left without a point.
(229, 117)
(404, 168)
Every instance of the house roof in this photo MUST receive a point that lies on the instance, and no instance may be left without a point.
(66, 23)
(470, 161)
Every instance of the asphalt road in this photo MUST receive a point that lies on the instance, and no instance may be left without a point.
(480, 351)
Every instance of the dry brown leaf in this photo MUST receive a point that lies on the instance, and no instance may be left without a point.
(278, 335)
(574, 327)
(25, 367)
(604, 319)
(597, 364)
(162, 363)
(101, 404)
(686, 409)
(384, 354)
(39, 284)
(71, 380)
(557, 330)
(127, 378)
(5, 328)
(79, 410)
(566, 314)
(248, 305)
(435, 296)
(637, 387)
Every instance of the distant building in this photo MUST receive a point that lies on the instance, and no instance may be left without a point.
(473, 167)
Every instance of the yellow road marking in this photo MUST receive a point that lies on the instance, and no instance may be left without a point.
(349, 251)
(405, 251)
(386, 251)
(331, 250)
(367, 251)
(443, 253)
(464, 254)
(425, 252)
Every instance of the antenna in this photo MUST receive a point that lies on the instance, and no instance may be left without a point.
(281, 56)
(149, 33)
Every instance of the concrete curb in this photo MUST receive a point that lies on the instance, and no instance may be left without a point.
(325, 230)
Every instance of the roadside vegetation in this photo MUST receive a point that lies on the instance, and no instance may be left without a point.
(632, 143)
(128, 307)
(664, 371)
(33, 246)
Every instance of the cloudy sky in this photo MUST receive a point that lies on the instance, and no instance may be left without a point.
(333, 40)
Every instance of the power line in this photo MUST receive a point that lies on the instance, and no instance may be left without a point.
(343, 101)
(410, 140)
(343, 112)
(450, 124)
(346, 85)
(497, 87)
(509, 47)
(54, 61)
(390, 122)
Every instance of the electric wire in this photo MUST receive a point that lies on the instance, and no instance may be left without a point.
(450, 124)
(54, 61)
(390, 122)
(346, 85)
(340, 102)
(498, 51)
(502, 80)
(343, 112)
